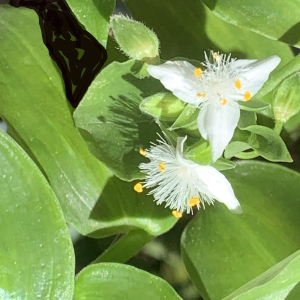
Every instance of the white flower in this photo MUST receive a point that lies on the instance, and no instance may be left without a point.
(181, 183)
(216, 89)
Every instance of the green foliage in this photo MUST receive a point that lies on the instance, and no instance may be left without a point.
(111, 281)
(224, 250)
(36, 254)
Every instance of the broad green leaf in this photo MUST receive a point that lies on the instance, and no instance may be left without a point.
(33, 103)
(94, 16)
(108, 281)
(224, 250)
(278, 20)
(223, 164)
(187, 118)
(121, 209)
(187, 28)
(135, 39)
(287, 98)
(200, 152)
(276, 283)
(111, 122)
(36, 253)
(268, 144)
(253, 105)
(163, 106)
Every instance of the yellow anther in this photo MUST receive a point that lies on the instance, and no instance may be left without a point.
(161, 166)
(194, 201)
(198, 72)
(177, 214)
(223, 101)
(138, 187)
(142, 151)
(247, 96)
(201, 95)
(238, 84)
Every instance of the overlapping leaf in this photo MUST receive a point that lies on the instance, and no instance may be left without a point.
(36, 253)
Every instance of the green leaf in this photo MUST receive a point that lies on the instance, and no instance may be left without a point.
(277, 20)
(121, 209)
(94, 16)
(227, 250)
(125, 247)
(223, 164)
(36, 253)
(135, 39)
(200, 152)
(278, 280)
(235, 148)
(287, 98)
(268, 144)
(163, 106)
(110, 121)
(253, 105)
(33, 103)
(247, 118)
(187, 28)
(107, 281)
(187, 118)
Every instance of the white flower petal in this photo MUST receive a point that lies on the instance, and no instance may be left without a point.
(218, 187)
(217, 123)
(179, 78)
(257, 72)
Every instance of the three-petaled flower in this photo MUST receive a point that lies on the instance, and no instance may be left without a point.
(216, 90)
(182, 183)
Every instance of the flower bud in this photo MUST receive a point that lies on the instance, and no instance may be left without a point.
(286, 101)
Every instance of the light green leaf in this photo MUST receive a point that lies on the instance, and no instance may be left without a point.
(276, 283)
(135, 39)
(94, 16)
(227, 250)
(277, 20)
(36, 253)
(235, 147)
(187, 118)
(163, 106)
(200, 152)
(223, 164)
(268, 144)
(253, 105)
(38, 113)
(111, 122)
(187, 28)
(108, 281)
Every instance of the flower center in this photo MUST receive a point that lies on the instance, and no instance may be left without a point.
(161, 166)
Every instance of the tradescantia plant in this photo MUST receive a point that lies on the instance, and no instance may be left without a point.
(176, 140)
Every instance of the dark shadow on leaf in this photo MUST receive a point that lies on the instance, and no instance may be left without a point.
(120, 209)
(291, 36)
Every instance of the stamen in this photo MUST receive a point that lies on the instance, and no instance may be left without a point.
(143, 152)
(247, 96)
(161, 166)
(201, 95)
(238, 84)
(216, 56)
(177, 214)
(223, 101)
(138, 187)
(198, 72)
(194, 201)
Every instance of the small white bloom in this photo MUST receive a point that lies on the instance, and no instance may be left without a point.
(216, 89)
(181, 183)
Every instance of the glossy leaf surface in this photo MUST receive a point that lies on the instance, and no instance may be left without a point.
(107, 281)
(36, 253)
(226, 250)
